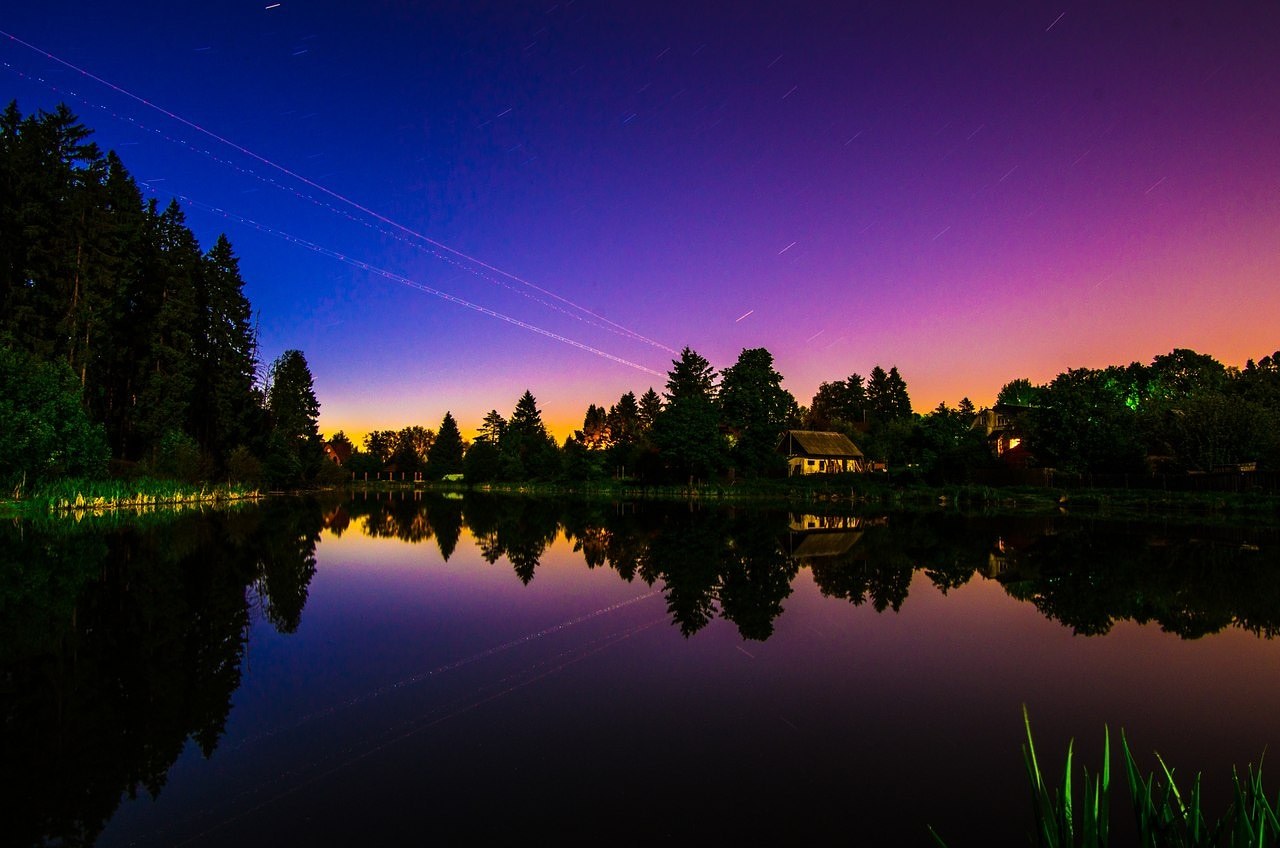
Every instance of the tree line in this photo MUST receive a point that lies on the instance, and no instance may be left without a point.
(121, 339)
(704, 426)
(1184, 412)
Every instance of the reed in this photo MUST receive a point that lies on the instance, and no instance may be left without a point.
(1166, 816)
(74, 495)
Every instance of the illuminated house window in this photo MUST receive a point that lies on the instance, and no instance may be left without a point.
(1014, 442)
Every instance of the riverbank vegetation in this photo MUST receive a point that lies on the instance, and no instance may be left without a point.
(1178, 424)
(125, 348)
(128, 351)
(1077, 811)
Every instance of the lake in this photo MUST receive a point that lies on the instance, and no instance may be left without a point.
(404, 668)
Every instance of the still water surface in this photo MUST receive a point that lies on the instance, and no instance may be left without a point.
(402, 670)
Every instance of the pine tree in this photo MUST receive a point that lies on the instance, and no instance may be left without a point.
(493, 427)
(227, 414)
(445, 456)
(295, 450)
(899, 402)
(624, 421)
(754, 409)
(528, 451)
(169, 380)
(687, 432)
(650, 409)
(878, 399)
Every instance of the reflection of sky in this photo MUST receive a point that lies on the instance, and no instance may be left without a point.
(971, 194)
(450, 692)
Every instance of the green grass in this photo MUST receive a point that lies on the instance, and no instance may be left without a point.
(1076, 812)
(75, 495)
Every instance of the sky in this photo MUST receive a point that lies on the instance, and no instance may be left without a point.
(445, 204)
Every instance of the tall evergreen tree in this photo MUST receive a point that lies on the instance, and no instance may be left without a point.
(156, 332)
(445, 456)
(887, 395)
(899, 401)
(754, 409)
(295, 451)
(687, 432)
(650, 409)
(493, 427)
(878, 400)
(528, 451)
(624, 421)
(227, 411)
(169, 379)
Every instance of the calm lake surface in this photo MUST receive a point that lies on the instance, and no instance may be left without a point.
(402, 670)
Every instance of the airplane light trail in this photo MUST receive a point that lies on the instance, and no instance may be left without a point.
(398, 278)
(331, 193)
(364, 222)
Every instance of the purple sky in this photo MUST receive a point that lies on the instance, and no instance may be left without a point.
(973, 192)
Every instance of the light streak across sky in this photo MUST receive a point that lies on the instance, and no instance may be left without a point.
(333, 194)
(939, 191)
(403, 280)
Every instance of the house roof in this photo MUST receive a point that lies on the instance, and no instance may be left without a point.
(824, 543)
(816, 444)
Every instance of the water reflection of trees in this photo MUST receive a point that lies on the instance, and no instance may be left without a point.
(740, 564)
(1091, 576)
(118, 644)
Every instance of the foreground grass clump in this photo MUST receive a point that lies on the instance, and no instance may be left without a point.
(97, 495)
(1166, 817)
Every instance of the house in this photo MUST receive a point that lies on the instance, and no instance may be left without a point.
(814, 452)
(337, 452)
(1004, 435)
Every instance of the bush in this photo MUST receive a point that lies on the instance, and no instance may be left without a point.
(44, 430)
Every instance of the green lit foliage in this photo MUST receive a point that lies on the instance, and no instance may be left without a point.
(1019, 392)
(46, 432)
(1085, 424)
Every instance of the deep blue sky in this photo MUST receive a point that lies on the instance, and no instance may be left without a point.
(974, 192)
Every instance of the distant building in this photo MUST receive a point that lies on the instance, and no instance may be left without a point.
(1004, 434)
(815, 452)
(337, 452)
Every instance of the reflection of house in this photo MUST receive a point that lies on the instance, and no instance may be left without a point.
(802, 523)
(1004, 435)
(814, 452)
(819, 536)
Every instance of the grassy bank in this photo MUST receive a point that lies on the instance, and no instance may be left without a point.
(861, 491)
(78, 495)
